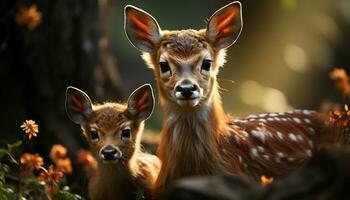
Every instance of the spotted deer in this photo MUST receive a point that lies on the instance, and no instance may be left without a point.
(113, 131)
(197, 136)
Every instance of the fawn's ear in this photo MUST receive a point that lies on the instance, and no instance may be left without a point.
(78, 105)
(141, 102)
(141, 28)
(225, 25)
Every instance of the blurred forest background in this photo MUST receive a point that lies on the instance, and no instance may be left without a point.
(281, 60)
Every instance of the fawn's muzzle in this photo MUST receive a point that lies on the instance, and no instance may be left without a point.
(186, 92)
(110, 153)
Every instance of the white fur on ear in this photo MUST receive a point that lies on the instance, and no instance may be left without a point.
(141, 29)
(225, 26)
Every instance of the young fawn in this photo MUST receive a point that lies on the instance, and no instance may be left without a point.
(113, 131)
(198, 138)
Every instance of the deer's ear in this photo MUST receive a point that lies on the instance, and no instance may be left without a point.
(141, 103)
(225, 25)
(78, 105)
(141, 28)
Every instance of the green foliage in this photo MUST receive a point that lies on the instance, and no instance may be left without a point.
(19, 183)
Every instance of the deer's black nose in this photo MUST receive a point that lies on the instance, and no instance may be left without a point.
(186, 90)
(110, 153)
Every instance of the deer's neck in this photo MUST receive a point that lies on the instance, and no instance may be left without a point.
(114, 180)
(189, 144)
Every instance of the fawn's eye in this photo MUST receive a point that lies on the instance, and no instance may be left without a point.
(164, 68)
(206, 64)
(126, 134)
(94, 135)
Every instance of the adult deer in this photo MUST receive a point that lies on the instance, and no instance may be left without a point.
(198, 138)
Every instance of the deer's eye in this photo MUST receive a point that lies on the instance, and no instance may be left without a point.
(126, 134)
(164, 68)
(206, 64)
(94, 135)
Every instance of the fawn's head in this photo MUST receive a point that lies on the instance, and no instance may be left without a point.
(113, 130)
(185, 62)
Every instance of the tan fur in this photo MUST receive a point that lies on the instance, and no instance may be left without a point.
(201, 140)
(197, 137)
(135, 172)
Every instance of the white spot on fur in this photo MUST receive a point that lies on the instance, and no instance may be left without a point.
(311, 144)
(252, 119)
(312, 130)
(262, 120)
(280, 135)
(273, 115)
(306, 112)
(261, 149)
(235, 126)
(262, 115)
(253, 152)
(300, 137)
(281, 113)
(280, 154)
(270, 119)
(240, 158)
(237, 139)
(252, 116)
(267, 157)
(297, 120)
(258, 134)
(291, 159)
(277, 119)
(245, 134)
(308, 152)
(292, 137)
(307, 120)
(224, 150)
(284, 119)
(269, 133)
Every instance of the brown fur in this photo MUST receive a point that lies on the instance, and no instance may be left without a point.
(197, 137)
(135, 172)
(208, 146)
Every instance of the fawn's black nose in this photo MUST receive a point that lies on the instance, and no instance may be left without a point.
(110, 153)
(187, 90)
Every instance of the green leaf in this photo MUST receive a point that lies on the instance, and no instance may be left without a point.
(14, 145)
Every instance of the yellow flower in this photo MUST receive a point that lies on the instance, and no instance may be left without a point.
(28, 16)
(30, 128)
(86, 158)
(31, 161)
(64, 165)
(57, 151)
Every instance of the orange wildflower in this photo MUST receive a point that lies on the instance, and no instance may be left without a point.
(50, 175)
(28, 16)
(341, 80)
(85, 157)
(266, 180)
(31, 161)
(64, 165)
(30, 128)
(58, 151)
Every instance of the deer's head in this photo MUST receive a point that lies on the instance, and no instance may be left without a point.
(113, 130)
(185, 62)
